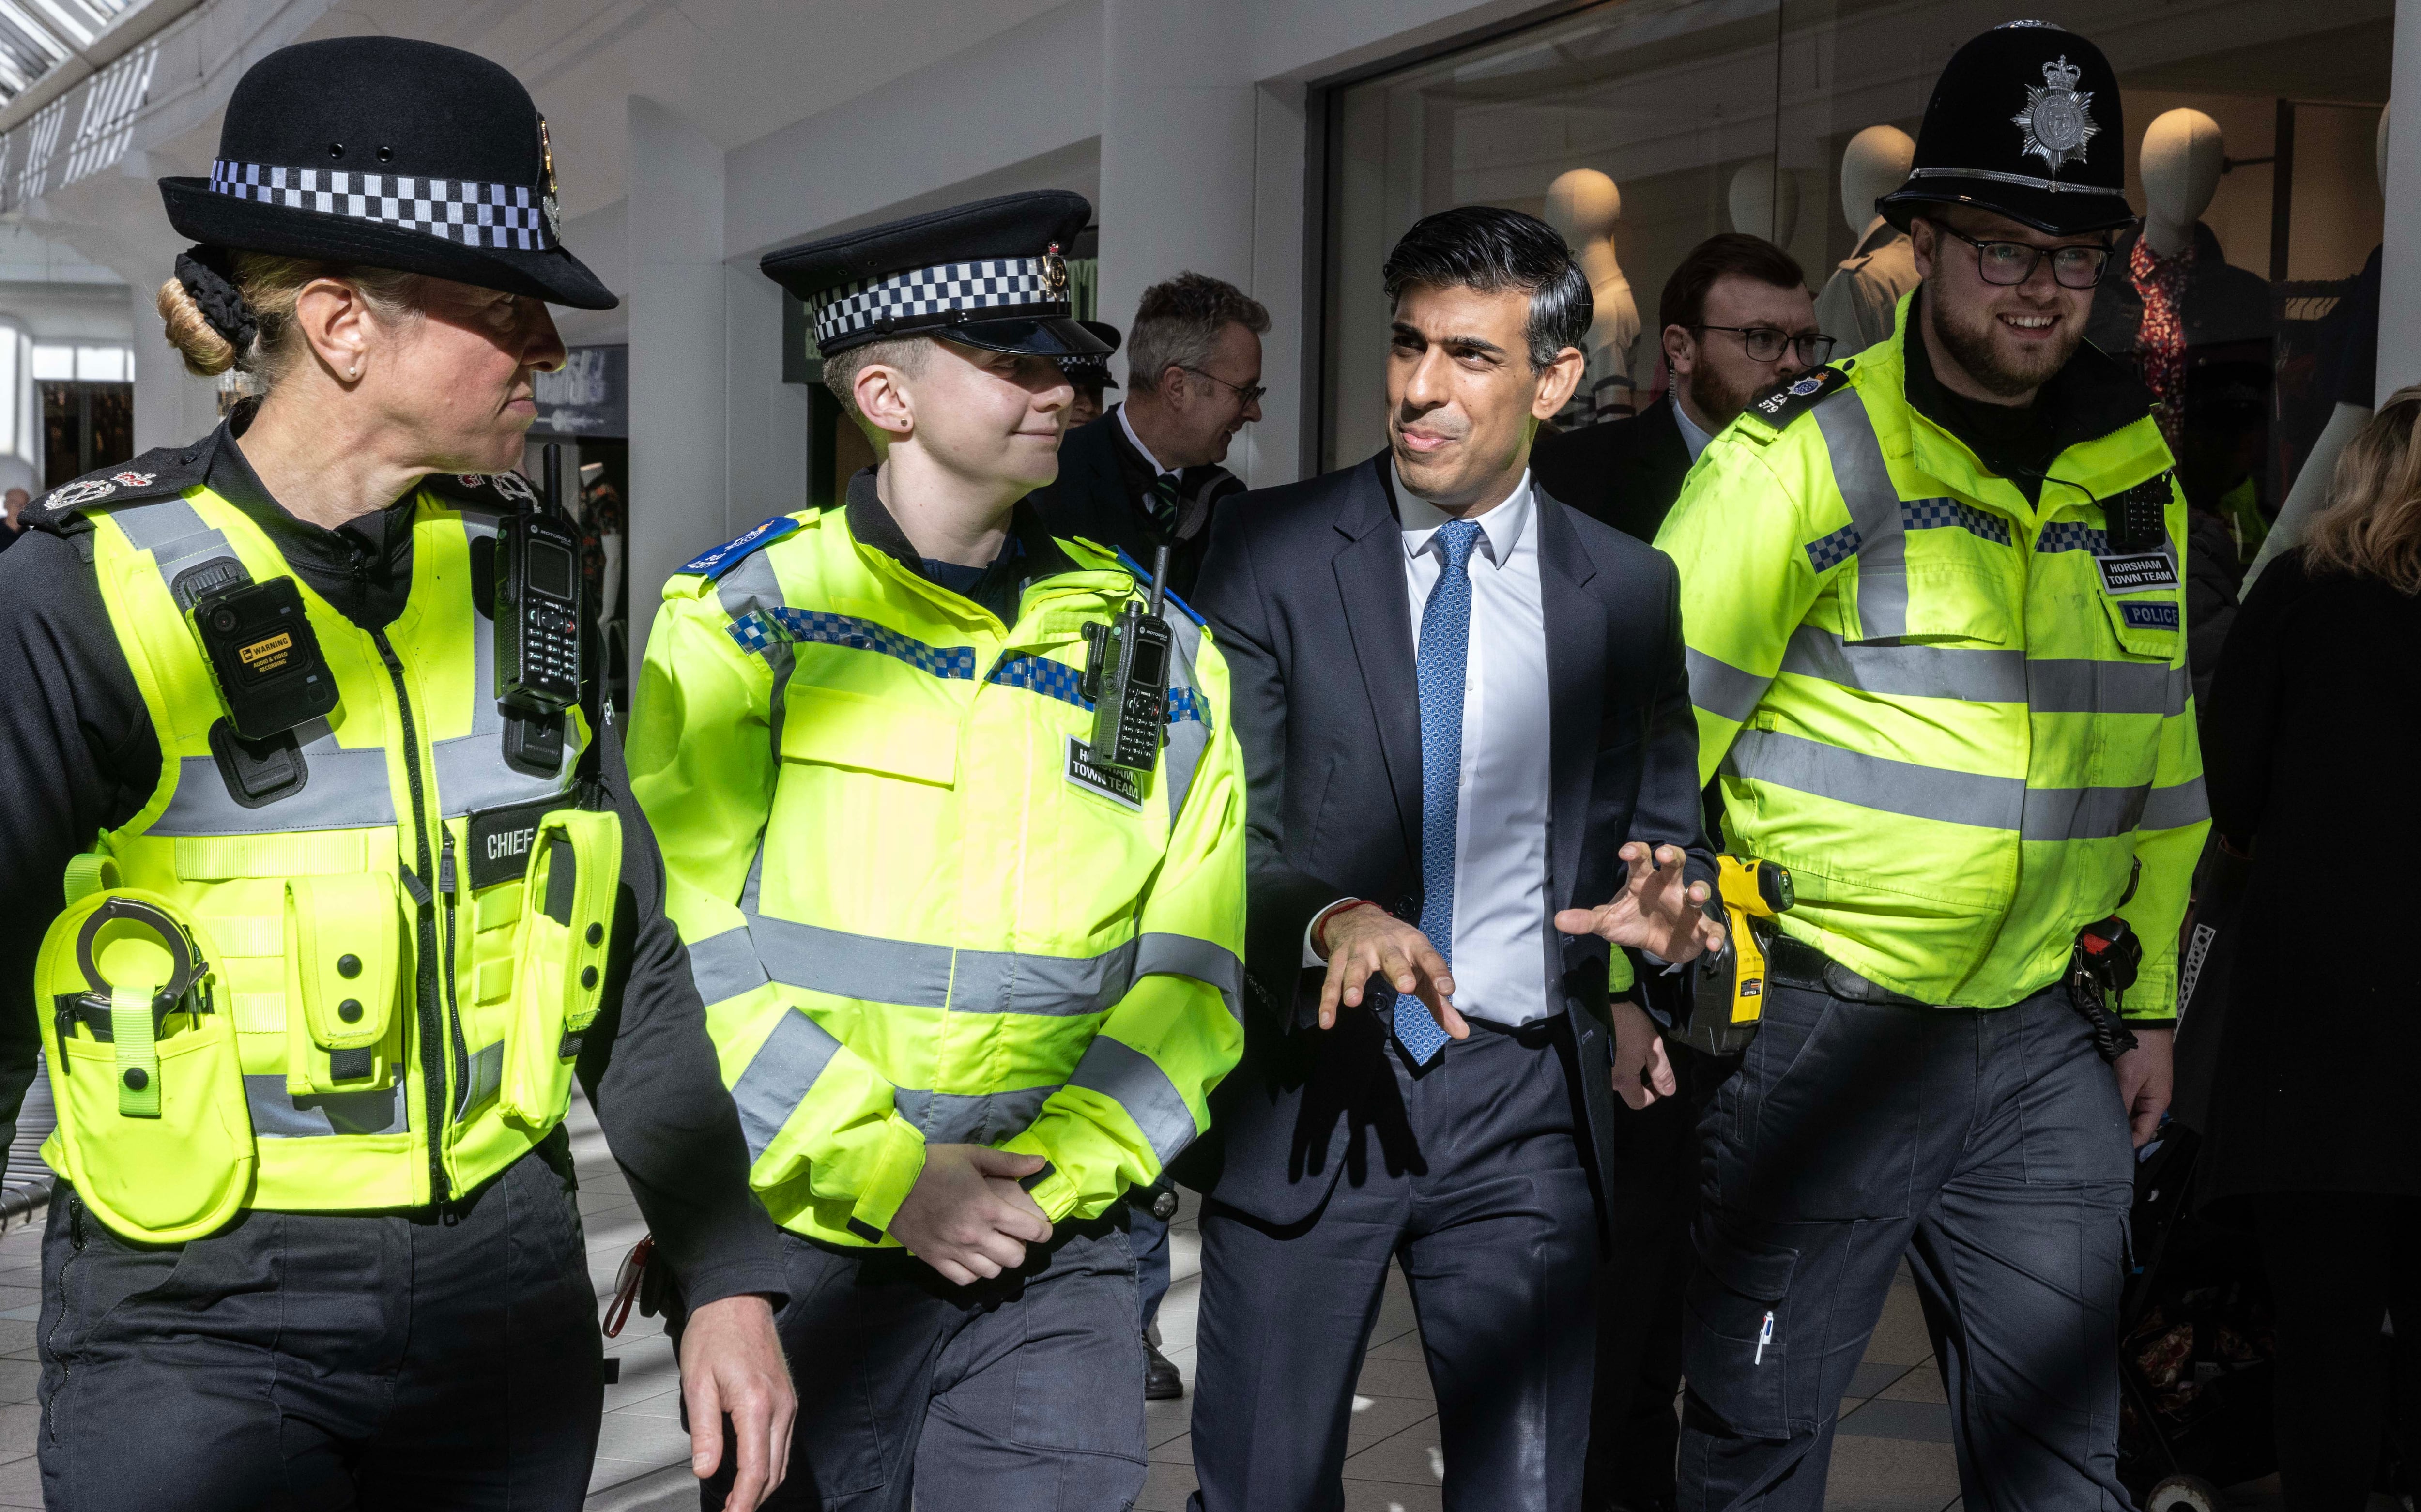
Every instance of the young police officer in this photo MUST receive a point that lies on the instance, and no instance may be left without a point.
(1931, 596)
(969, 954)
(351, 886)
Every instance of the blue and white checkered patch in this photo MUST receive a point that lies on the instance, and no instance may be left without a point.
(475, 215)
(1182, 705)
(1039, 674)
(996, 283)
(1834, 549)
(2070, 536)
(1936, 514)
(762, 628)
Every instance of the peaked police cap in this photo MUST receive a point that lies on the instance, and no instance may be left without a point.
(988, 275)
(387, 152)
(2023, 121)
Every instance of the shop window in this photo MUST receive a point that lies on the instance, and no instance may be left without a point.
(1640, 128)
(85, 427)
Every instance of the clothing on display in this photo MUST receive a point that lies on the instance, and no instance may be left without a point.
(1857, 303)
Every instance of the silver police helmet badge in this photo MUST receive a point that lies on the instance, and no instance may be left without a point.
(2057, 120)
(550, 202)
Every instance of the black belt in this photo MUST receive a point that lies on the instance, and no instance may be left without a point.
(1795, 963)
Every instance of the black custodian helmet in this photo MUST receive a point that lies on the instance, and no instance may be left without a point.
(2023, 121)
(387, 152)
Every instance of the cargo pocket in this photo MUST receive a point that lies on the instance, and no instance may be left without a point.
(1737, 1359)
(559, 960)
(152, 1126)
(344, 978)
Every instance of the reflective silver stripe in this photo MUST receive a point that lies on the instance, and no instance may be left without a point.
(777, 1079)
(1906, 671)
(2081, 687)
(487, 1077)
(1187, 739)
(277, 1115)
(472, 774)
(753, 588)
(2081, 813)
(959, 1118)
(173, 532)
(1866, 486)
(1721, 689)
(725, 965)
(852, 965)
(2176, 806)
(1877, 782)
(1182, 954)
(342, 789)
(1134, 1082)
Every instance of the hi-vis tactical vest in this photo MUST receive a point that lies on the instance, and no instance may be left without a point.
(346, 969)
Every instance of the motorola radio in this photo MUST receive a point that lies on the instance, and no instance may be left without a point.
(537, 625)
(1125, 676)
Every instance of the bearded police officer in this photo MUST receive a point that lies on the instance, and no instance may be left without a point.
(955, 826)
(1931, 598)
(353, 891)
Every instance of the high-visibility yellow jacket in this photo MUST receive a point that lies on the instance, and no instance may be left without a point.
(1960, 718)
(916, 914)
(389, 1022)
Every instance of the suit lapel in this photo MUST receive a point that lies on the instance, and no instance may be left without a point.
(1378, 613)
(1576, 657)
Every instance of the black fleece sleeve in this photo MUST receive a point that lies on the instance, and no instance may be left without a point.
(77, 755)
(651, 1072)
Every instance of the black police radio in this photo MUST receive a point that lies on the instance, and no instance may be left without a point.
(1126, 675)
(539, 672)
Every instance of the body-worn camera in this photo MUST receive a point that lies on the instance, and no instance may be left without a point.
(1126, 675)
(264, 656)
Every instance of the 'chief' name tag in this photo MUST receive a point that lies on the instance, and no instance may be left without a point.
(501, 840)
(1111, 783)
(2134, 574)
(2149, 616)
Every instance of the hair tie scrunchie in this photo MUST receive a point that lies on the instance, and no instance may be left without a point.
(210, 278)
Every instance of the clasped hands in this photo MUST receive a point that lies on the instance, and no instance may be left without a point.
(1657, 911)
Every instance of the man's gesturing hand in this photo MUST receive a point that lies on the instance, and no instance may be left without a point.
(2146, 1078)
(1642, 1070)
(731, 1364)
(1365, 942)
(966, 1216)
(1656, 910)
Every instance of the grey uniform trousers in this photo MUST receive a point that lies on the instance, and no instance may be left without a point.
(1987, 1146)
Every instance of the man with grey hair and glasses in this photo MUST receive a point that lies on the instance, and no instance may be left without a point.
(1146, 474)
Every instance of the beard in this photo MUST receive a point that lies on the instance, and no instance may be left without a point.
(1973, 346)
(1716, 398)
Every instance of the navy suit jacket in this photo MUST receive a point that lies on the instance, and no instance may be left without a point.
(1304, 588)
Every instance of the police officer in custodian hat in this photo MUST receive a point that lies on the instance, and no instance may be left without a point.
(327, 881)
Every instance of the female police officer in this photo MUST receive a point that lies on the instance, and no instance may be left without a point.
(352, 890)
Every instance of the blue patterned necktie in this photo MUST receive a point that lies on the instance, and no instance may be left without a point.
(1446, 645)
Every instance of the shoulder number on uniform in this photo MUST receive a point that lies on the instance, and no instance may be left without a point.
(1778, 405)
(714, 564)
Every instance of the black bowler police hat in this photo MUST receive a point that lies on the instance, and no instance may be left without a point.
(388, 153)
(1094, 371)
(2025, 120)
(988, 275)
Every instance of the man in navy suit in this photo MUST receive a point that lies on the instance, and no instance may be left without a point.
(1473, 776)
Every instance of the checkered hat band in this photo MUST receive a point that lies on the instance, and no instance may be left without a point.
(510, 216)
(924, 292)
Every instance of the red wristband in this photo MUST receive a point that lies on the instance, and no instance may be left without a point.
(1319, 930)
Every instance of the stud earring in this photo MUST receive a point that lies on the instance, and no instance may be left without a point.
(354, 371)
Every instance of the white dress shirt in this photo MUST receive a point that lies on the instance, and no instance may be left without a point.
(1136, 442)
(1501, 918)
(1691, 436)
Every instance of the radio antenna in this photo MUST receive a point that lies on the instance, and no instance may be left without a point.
(551, 471)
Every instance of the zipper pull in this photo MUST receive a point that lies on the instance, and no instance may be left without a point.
(413, 885)
(1764, 1337)
(445, 867)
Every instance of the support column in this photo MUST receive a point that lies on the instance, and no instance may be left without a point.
(765, 420)
(2400, 269)
(677, 354)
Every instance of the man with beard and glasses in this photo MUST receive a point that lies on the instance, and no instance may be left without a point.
(1936, 648)
(1738, 320)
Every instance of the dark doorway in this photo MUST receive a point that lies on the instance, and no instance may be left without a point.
(85, 427)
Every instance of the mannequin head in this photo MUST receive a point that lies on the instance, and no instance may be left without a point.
(1763, 203)
(1584, 204)
(2183, 154)
(1874, 163)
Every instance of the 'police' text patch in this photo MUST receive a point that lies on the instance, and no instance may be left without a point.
(501, 837)
(1110, 782)
(2149, 616)
(2134, 574)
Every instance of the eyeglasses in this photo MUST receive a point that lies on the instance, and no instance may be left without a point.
(2014, 262)
(1766, 344)
(1249, 394)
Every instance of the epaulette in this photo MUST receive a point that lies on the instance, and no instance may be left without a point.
(713, 564)
(489, 494)
(161, 473)
(1784, 402)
